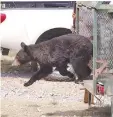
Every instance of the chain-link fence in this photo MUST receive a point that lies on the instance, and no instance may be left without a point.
(85, 22)
(85, 26)
(104, 32)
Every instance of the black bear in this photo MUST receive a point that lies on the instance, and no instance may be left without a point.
(58, 52)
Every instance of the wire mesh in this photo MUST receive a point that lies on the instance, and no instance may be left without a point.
(105, 41)
(85, 22)
(104, 31)
(104, 35)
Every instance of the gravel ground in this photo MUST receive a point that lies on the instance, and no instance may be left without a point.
(43, 98)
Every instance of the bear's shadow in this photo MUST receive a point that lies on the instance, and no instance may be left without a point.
(7, 70)
(26, 71)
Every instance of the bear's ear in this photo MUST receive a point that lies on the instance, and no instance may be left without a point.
(26, 49)
(23, 45)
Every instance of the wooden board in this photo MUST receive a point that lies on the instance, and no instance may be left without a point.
(88, 84)
(86, 96)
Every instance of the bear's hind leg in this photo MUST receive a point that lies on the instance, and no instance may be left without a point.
(64, 72)
(43, 72)
(81, 68)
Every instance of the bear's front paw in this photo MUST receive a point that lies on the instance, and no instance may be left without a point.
(27, 84)
(78, 81)
(73, 78)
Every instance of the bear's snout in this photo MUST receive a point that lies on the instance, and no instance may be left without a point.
(15, 63)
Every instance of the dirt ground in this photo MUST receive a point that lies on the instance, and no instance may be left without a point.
(43, 98)
(25, 108)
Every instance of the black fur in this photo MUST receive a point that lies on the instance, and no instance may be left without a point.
(58, 52)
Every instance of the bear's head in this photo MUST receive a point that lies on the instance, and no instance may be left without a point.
(23, 56)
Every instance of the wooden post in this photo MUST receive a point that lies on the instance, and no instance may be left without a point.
(86, 97)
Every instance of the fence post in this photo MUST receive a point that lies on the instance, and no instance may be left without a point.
(77, 20)
(94, 45)
(112, 106)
